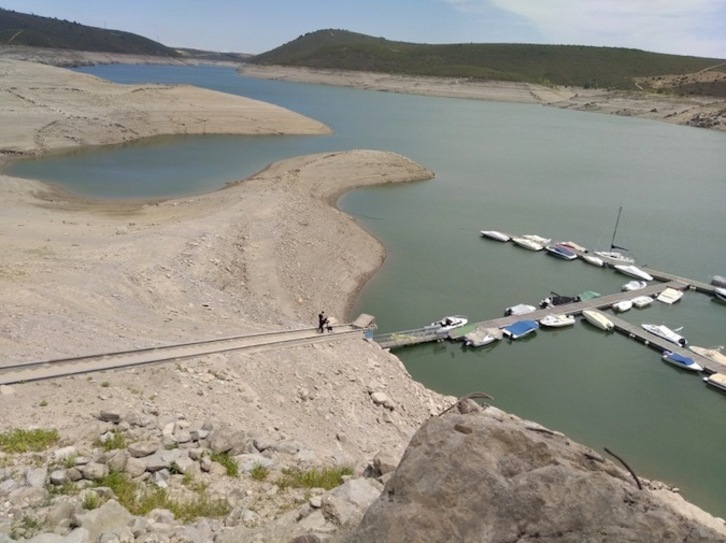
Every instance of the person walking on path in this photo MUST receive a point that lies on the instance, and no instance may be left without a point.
(322, 320)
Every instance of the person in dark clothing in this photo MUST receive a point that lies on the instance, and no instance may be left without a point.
(322, 320)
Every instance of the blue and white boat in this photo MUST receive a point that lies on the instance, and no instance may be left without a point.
(680, 361)
(520, 329)
(560, 251)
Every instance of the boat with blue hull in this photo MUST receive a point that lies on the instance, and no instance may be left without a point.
(520, 329)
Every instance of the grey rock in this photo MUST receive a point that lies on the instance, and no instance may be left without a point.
(346, 504)
(36, 477)
(109, 517)
(455, 482)
(116, 461)
(141, 449)
(7, 486)
(45, 538)
(58, 477)
(110, 416)
(64, 452)
(60, 512)
(79, 535)
(26, 496)
(94, 471)
(135, 467)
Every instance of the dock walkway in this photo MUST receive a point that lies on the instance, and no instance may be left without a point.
(422, 335)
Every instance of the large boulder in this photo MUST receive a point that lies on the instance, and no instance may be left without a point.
(488, 476)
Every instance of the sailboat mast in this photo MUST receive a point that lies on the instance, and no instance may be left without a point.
(615, 231)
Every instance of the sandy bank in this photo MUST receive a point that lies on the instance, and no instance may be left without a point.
(44, 108)
(701, 112)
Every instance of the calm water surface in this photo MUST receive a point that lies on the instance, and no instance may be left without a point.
(516, 168)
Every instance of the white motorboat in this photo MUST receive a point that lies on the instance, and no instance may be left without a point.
(519, 309)
(557, 321)
(662, 331)
(634, 285)
(681, 361)
(642, 301)
(714, 354)
(594, 260)
(598, 320)
(528, 243)
(495, 234)
(449, 323)
(633, 271)
(575, 246)
(718, 281)
(623, 305)
(537, 239)
(716, 380)
(670, 295)
(720, 293)
(482, 336)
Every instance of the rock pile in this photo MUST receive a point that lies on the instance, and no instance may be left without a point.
(67, 494)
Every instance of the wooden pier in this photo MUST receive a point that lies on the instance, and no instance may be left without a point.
(422, 335)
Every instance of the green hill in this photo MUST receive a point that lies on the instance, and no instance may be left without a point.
(571, 65)
(35, 31)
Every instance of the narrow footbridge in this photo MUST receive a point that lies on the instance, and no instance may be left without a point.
(47, 369)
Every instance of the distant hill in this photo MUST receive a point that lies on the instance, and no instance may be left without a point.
(35, 31)
(568, 65)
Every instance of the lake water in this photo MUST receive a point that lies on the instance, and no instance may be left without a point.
(511, 167)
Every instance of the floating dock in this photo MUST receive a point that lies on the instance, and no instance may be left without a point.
(405, 338)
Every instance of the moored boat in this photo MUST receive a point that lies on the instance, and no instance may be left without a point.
(623, 305)
(633, 271)
(634, 285)
(614, 256)
(575, 246)
(714, 354)
(537, 239)
(642, 301)
(495, 234)
(718, 281)
(720, 293)
(526, 243)
(557, 321)
(662, 331)
(560, 251)
(459, 332)
(598, 320)
(670, 295)
(593, 259)
(681, 361)
(557, 299)
(716, 380)
(482, 336)
(519, 309)
(449, 323)
(520, 329)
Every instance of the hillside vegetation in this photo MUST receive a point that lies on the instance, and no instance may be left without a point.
(569, 65)
(35, 31)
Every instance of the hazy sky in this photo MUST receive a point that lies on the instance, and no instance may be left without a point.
(683, 27)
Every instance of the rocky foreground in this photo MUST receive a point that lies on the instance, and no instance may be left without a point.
(230, 447)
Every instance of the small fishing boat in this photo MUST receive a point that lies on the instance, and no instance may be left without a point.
(718, 281)
(642, 301)
(519, 309)
(593, 259)
(526, 243)
(720, 293)
(575, 246)
(598, 320)
(495, 234)
(537, 239)
(670, 295)
(520, 329)
(622, 306)
(560, 251)
(714, 354)
(482, 336)
(588, 295)
(557, 299)
(633, 271)
(680, 361)
(716, 380)
(449, 323)
(557, 321)
(666, 333)
(634, 285)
